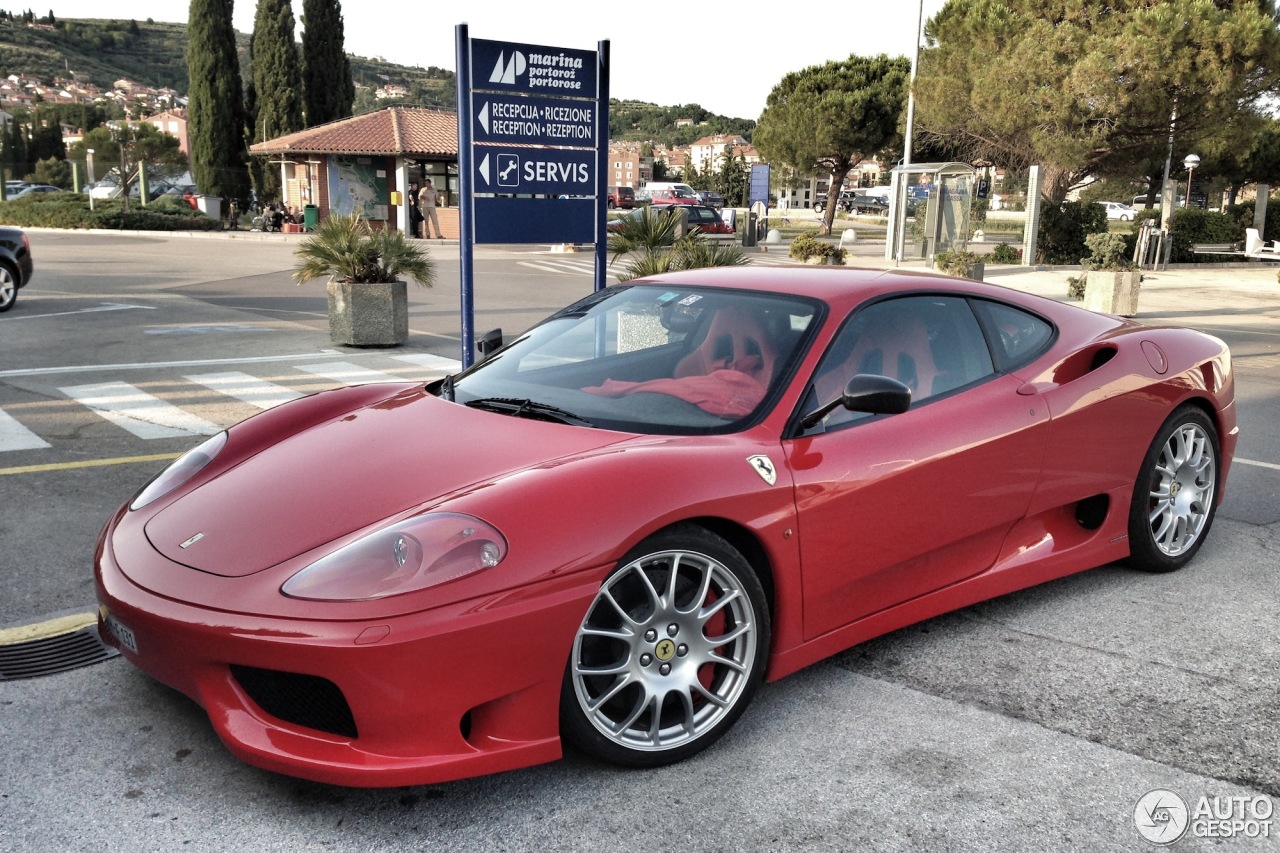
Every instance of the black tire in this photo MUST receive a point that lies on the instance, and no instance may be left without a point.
(653, 678)
(8, 287)
(1174, 497)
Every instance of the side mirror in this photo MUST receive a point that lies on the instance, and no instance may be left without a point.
(866, 392)
(489, 343)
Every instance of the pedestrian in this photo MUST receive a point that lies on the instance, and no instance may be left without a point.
(415, 217)
(427, 198)
(233, 216)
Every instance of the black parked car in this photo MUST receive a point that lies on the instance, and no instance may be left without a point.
(15, 265)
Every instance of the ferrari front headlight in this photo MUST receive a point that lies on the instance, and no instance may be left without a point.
(184, 468)
(414, 554)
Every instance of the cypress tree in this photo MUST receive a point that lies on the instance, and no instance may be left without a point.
(327, 88)
(215, 108)
(276, 88)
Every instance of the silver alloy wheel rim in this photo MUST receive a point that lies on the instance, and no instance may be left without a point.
(665, 651)
(8, 286)
(1182, 486)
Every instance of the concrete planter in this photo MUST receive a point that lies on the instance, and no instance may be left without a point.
(369, 315)
(1111, 292)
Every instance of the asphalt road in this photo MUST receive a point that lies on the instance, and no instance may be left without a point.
(1033, 722)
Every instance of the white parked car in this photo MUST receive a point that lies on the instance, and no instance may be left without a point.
(1116, 210)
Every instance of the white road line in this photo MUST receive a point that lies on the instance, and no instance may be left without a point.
(558, 269)
(14, 436)
(1256, 464)
(432, 362)
(140, 413)
(347, 373)
(249, 389)
(149, 365)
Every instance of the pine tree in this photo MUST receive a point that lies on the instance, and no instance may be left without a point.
(215, 108)
(276, 107)
(328, 90)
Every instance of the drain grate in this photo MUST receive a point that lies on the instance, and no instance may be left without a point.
(47, 655)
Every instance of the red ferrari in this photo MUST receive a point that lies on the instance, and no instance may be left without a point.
(612, 529)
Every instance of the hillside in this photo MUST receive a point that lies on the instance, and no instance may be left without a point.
(149, 53)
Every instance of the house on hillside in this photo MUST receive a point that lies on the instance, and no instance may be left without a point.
(174, 123)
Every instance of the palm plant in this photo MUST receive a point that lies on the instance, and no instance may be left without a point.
(346, 248)
(651, 243)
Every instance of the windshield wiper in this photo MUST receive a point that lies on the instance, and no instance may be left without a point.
(528, 409)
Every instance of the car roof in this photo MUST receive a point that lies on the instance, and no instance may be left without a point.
(844, 287)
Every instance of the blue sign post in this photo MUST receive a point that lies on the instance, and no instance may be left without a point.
(531, 151)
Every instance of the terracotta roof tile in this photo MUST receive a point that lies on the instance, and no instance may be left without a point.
(393, 131)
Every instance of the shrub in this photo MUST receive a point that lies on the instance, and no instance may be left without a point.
(1108, 251)
(1005, 254)
(959, 264)
(808, 246)
(1063, 229)
(1191, 225)
(71, 210)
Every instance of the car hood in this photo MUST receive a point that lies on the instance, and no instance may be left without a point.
(325, 481)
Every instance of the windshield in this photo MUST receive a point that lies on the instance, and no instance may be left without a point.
(648, 358)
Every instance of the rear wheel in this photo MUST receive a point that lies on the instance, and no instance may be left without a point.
(1173, 499)
(670, 653)
(8, 288)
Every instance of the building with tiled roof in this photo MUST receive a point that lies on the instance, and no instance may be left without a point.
(367, 164)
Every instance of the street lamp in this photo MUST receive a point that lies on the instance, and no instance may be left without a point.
(1189, 163)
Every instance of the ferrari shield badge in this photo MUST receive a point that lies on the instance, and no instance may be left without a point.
(763, 466)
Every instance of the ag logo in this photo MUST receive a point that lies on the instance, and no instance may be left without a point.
(1161, 816)
(763, 466)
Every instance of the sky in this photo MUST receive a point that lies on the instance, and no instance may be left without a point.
(717, 55)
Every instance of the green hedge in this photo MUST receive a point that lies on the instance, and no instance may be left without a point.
(1191, 225)
(71, 210)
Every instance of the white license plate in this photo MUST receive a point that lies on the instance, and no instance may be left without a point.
(121, 632)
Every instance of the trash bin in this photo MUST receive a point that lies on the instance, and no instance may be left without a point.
(310, 217)
(210, 205)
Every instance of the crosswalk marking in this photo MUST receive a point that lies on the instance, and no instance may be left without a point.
(14, 436)
(347, 373)
(246, 388)
(436, 363)
(150, 417)
(140, 413)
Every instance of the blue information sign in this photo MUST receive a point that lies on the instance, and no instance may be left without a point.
(533, 69)
(535, 220)
(535, 171)
(533, 120)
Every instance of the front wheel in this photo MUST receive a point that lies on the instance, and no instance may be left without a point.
(1173, 499)
(670, 653)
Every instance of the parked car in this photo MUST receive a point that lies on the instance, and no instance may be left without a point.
(611, 530)
(710, 198)
(672, 195)
(12, 188)
(851, 202)
(868, 204)
(16, 266)
(702, 217)
(622, 197)
(37, 189)
(1116, 210)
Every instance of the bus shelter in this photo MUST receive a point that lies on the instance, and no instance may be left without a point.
(929, 210)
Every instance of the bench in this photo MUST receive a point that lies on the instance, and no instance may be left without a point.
(1215, 249)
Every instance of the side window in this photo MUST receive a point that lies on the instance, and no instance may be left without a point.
(930, 343)
(1016, 336)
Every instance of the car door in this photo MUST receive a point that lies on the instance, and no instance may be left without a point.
(892, 507)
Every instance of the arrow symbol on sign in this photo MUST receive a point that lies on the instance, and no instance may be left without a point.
(484, 168)
(484, 116)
